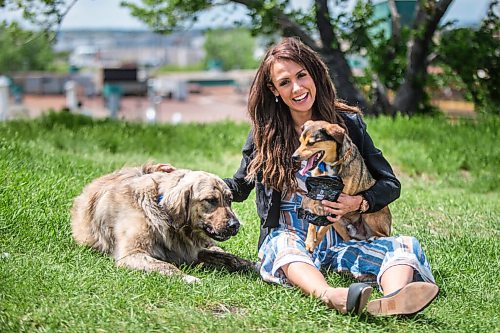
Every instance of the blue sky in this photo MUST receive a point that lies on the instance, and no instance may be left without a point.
(97, 14)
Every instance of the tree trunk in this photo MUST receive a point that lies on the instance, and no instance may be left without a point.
(343, 80)
(340, 71)
(410, 95)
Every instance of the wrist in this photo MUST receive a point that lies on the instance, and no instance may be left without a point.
(363, 205)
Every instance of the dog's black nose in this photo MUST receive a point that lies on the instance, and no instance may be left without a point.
(233, 226)
(295, 158)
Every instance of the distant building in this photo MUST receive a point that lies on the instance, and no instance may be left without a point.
(106, 48)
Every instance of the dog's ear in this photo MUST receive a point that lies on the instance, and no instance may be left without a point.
(177, 201)
(306, 125)
(186, 204)
(146, 196)
(336, 132)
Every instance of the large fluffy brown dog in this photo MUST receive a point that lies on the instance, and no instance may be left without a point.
(321, 141)
(155, 221)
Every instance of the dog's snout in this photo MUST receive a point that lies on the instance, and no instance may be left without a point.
(295, 158)
(233, 225)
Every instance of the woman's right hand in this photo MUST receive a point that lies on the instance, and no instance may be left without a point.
(164, 167)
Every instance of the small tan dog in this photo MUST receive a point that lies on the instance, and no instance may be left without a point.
(321, 141)
(155, 221)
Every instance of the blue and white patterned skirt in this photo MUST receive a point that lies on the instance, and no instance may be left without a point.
(364, 260)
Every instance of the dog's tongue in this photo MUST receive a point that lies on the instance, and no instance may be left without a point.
(308, 166)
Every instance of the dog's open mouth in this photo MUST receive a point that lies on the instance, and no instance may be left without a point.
(210, 232)
(312, 162)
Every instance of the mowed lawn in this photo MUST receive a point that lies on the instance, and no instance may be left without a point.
(450, 202)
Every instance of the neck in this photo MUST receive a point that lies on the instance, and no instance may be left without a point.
(299, 118)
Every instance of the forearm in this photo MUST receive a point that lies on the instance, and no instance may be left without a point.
(382, 194)
(387, 187)
(239, 185)
(240, 188)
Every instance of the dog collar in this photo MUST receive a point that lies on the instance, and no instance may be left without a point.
(159, 198)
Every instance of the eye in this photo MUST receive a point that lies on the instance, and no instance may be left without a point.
(315, 140)
(228, 198)
(283, 83)
(212, 201)
(301, 74)
(311, 142)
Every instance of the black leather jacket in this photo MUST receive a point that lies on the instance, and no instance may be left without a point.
(386, 189)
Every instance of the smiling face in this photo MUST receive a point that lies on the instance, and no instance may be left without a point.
(293, 83)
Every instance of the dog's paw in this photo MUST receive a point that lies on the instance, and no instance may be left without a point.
(190, 279)
(310, 246)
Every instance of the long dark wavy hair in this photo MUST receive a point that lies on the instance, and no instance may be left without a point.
(274, 135)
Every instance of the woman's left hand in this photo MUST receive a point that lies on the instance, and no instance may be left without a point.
(344, 204)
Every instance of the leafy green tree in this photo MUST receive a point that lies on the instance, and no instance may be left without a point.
(24, 50)
(473, 55)
(45, 14)
(231, 48)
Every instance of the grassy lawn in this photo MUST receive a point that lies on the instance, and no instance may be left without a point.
(450, 202)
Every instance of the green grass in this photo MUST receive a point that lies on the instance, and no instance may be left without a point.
(48, 283)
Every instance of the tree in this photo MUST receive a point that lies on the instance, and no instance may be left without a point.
(232, 49)
(473, 56)
(24, 50)
(45, 14)
(410, 95)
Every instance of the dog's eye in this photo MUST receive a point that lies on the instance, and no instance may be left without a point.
(313, 141)
(212, 201)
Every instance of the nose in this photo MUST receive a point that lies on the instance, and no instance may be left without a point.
(295, 86)
(233, 226)
(295, 158)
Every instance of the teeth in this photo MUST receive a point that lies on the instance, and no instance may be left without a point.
(300, 98)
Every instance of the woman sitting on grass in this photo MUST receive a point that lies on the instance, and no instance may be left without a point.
(292, 86)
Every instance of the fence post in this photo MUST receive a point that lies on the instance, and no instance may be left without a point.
(153, 100)
(113, 93)
(4, 97)
(71, 100)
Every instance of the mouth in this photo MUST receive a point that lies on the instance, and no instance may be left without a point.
(210, 232)
(312, 162)
(301, 98)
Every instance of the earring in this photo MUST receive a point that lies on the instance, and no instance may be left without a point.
(276, 99)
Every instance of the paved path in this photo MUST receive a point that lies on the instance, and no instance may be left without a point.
(213, 104)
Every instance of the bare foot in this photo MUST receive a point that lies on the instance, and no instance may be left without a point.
(335, 298)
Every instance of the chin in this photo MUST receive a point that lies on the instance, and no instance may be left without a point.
(303, 108)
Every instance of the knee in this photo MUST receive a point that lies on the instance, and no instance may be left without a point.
(411, 243)
(408, 240)
(284, 268)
